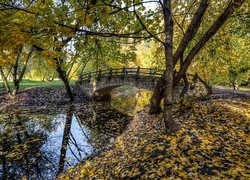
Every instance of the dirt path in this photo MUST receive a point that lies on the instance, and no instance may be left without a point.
(223, 90)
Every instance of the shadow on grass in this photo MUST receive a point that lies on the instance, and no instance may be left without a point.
(32, 83)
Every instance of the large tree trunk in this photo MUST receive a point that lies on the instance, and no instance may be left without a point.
(15, 88)
(21, 75)
(188, 36)
(168, 92)
(155, 101)
(185, 88)
(64, 78)
(15, 72)
(62, 73)
(59, 62)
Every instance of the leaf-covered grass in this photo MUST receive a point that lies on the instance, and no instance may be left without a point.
(26, 83)
(212, 143)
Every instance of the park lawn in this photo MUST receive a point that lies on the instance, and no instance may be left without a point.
(26, 83)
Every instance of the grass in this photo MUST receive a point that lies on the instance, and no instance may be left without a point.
(26, 83)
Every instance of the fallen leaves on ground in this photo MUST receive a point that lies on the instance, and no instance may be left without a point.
(212, 142)
(38, 97)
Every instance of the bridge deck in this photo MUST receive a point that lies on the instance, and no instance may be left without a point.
(96, 81)
(103, 81)
(122, 72)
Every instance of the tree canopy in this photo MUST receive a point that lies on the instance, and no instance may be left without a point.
(194, 35)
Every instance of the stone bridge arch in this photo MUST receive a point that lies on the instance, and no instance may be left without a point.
(103, 81)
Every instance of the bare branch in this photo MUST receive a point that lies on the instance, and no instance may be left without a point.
(191, 30)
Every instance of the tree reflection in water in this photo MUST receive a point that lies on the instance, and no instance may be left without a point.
(65, 139)
(42, 145)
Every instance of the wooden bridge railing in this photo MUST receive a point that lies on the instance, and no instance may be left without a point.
(122, 72)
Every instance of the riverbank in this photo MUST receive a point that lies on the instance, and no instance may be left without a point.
(212, 141)
(38, 97)
(40, 139)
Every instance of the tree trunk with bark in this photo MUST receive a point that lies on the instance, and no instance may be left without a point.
(17, 78)
(61, 72)
(64, 78)
(168, 92)
(206, 37)
(5, 81)
(185, 80)
(191, 30)
(235, 84)
(185, 88)
(155, 101)
(15, 72)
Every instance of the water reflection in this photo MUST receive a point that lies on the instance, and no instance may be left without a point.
(42, 145)
(65, 139)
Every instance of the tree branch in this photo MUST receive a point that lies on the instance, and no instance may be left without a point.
(191, 30)
(144, 26)
(206, 37)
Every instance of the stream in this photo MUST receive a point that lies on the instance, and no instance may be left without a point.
(41, 143)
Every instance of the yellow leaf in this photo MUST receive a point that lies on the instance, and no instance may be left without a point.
(88, 22)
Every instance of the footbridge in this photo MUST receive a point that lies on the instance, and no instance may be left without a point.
(103, 81)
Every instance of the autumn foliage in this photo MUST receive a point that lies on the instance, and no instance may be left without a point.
(212, 142)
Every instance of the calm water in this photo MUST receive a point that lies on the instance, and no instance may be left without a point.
(43, 143)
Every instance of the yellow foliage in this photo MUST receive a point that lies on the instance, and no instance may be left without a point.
(88, 21)
(205, 142)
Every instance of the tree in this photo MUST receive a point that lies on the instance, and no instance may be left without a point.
(227, 50)
(101, 52)
(168, 92)
(186, 39)
(40, 69)
(197, 23)
(16, 47)
(57, 24)
(195, 35)
(17, 70)
(193, 39)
